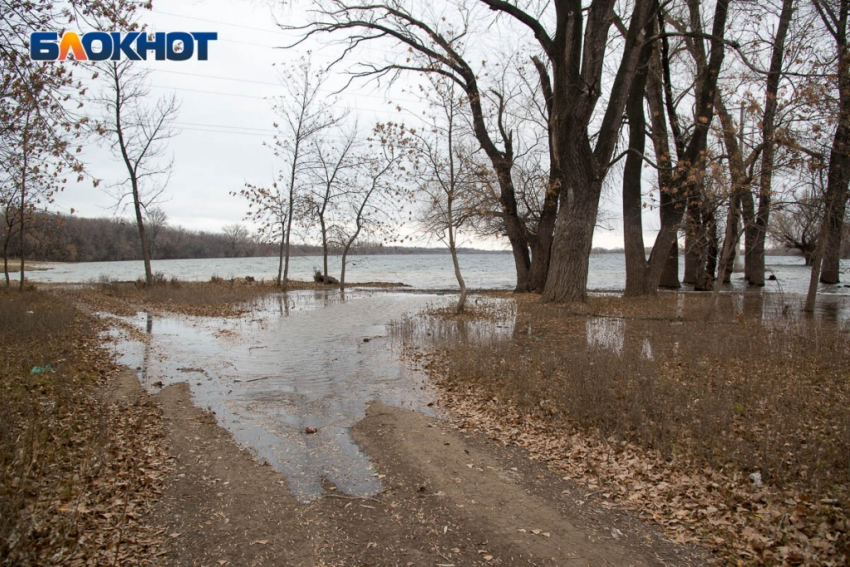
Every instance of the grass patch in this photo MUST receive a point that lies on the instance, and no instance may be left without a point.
(76, 471)
(752, 390)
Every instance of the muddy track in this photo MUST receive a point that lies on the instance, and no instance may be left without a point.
(451, 498)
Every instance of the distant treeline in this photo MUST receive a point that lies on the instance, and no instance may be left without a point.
(63, 238)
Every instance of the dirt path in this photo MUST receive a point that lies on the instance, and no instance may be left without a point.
(451, 499)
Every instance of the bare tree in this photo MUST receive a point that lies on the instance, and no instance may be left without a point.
(155, 221)
(432, 45)
(303, 114)
(333, 160)
(446, 174)
(796, 225)
(375, 190)
(835, 16)
(138, 136)
(39, 131)
(237, 237)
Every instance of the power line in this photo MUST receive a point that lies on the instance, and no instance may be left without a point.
(209, 92)
(219, 77)
(217, 22)
(225, 132)
(225, 126)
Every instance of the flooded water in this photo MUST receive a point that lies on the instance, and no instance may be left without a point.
(298, 362)
(499, 321)
(419, 271)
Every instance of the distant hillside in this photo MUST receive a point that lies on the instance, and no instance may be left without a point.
(65, 238)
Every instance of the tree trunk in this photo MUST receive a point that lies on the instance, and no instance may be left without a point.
(727, 258)
(668, 213)
(690, 170)
(754, 239)
(137, 206)
(839, 159)
(577, 68)
(756, 233)
(6, 261)
(670, 273)
(461, 302)
(342, 268)
(21, 223)
(286, 237)
(513, 227)
(638, 281)
(324, 246)
(836, 191)
(279, 279)
(573, 238)
(542, 248)
(692, 254)
(711, 246)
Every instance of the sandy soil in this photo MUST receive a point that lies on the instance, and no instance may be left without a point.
(452, 498)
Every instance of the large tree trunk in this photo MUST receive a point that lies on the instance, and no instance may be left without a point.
(668, 213)
(756, 232)
(638, 281)
(542, 248)
(577, 69)
(670, 273)
(692, 252)
(514, 229)
(573, 239)
(690, 170)
(839, 158)
(836, 193)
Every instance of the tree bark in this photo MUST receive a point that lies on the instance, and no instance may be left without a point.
(577, 61)
(638, 280)
(137, 206)
(839, 158)
(756, 232)
(692, 254)
(668, 214)
(541, 250)
(690, 169)
(573, 239)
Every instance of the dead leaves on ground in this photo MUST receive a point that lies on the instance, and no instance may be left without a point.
(722, 510)
(81, 473)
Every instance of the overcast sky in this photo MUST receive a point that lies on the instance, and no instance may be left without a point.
(226, 115)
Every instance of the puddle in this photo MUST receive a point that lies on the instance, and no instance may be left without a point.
(496, 322)
(606, 333)
(296, 361)
(315, 359)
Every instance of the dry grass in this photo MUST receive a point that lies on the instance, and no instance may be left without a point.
(736, 394)
(76, 471)
(217, 298)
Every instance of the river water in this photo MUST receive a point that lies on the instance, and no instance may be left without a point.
(420, 271)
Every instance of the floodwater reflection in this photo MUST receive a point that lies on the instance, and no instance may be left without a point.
(294, 361)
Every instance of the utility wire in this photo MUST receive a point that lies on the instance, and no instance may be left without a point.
(269, 130)
(209, 92)
(217, 22)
